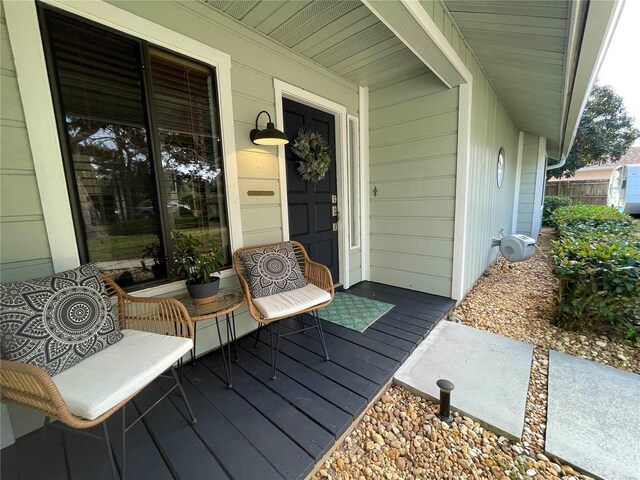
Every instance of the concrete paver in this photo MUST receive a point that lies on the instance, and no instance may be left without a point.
(593, 417)
(490, 373)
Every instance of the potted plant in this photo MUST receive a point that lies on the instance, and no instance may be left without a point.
(197, 259)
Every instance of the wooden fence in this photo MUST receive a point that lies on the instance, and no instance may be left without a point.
(580, 191)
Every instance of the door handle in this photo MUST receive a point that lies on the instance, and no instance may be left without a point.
(335, 212)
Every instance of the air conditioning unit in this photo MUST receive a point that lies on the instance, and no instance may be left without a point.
(515, 248)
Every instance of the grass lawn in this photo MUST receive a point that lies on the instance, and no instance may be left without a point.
(127, 247)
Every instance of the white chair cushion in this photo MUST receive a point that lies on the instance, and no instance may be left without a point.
(112, 375)
(291, 302)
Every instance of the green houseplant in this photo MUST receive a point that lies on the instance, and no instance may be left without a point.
(197, 259)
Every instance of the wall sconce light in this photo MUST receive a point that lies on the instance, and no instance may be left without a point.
(269, 136)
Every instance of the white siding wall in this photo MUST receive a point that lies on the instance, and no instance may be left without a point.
(413, 135)
(413, 138)
(490, 208)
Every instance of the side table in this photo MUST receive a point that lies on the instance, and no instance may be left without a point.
(226, 303)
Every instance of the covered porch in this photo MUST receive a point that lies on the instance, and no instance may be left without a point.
(262, 428)
(423, 96)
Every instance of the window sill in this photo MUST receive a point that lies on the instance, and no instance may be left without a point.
(172, 287)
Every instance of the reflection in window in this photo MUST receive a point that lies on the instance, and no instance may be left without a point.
(100, 92)
(142, 147)
(190, 146)
(354, 182)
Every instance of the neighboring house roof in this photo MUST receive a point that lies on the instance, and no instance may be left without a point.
(592, 172)
(632, 157)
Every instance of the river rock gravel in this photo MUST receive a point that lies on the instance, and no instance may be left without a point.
(400, 437)
(518, 300)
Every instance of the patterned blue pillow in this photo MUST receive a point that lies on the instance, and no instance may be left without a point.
(273, 269)
(55, 322)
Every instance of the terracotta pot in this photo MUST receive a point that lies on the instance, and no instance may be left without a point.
(205, 292)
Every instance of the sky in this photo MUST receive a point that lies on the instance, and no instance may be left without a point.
(621, 66)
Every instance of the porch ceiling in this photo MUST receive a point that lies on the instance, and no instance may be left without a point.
(343, 36)
(522, 47)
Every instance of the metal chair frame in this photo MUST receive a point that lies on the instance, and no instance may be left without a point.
(32, 387)
(314, 273)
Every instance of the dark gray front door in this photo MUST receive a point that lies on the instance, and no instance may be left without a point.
(311, 205)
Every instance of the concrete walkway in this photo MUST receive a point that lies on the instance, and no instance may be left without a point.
(490, 373)
(593, 417)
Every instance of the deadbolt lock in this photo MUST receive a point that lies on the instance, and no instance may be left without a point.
(335, 227)
(334, 199)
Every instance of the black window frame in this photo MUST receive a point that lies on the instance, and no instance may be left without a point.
(146, 86)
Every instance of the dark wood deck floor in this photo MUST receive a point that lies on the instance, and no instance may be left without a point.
(261, 429)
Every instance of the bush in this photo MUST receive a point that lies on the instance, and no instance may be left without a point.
(597, 260)
(588, 217)
(551, 204)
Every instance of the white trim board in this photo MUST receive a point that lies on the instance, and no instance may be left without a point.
(286, 90)
(541, 171)
(352, 118)
(26, 43)
(365, 230)
(33, 81)
(516, 193)
(463, 168)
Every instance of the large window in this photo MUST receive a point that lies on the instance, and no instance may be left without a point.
(140, 132)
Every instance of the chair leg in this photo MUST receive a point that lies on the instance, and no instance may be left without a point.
(260, 326)
(274, 350)
(124, 440)
(321, 334)
(193, 420)
(114, 469)
(226, 360)
(300, 323)
(234, 339)
(47, 420)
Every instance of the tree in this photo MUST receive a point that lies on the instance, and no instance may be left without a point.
(605, 133)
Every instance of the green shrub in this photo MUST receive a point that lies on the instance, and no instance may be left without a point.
(598, 281)
(597, 260)
(585, 217)
(551, 204)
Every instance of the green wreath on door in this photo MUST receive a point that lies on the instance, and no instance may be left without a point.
(313, 151)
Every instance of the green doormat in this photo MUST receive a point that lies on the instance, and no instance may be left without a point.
(354, 312)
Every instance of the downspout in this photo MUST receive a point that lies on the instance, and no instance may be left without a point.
(556, 165)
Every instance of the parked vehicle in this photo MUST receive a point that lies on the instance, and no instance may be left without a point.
(624, 189)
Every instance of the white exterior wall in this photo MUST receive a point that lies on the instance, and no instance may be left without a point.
(413, 136)
(489, 208)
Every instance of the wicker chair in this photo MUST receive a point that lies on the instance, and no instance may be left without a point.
(30, 386)
(315, 274)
